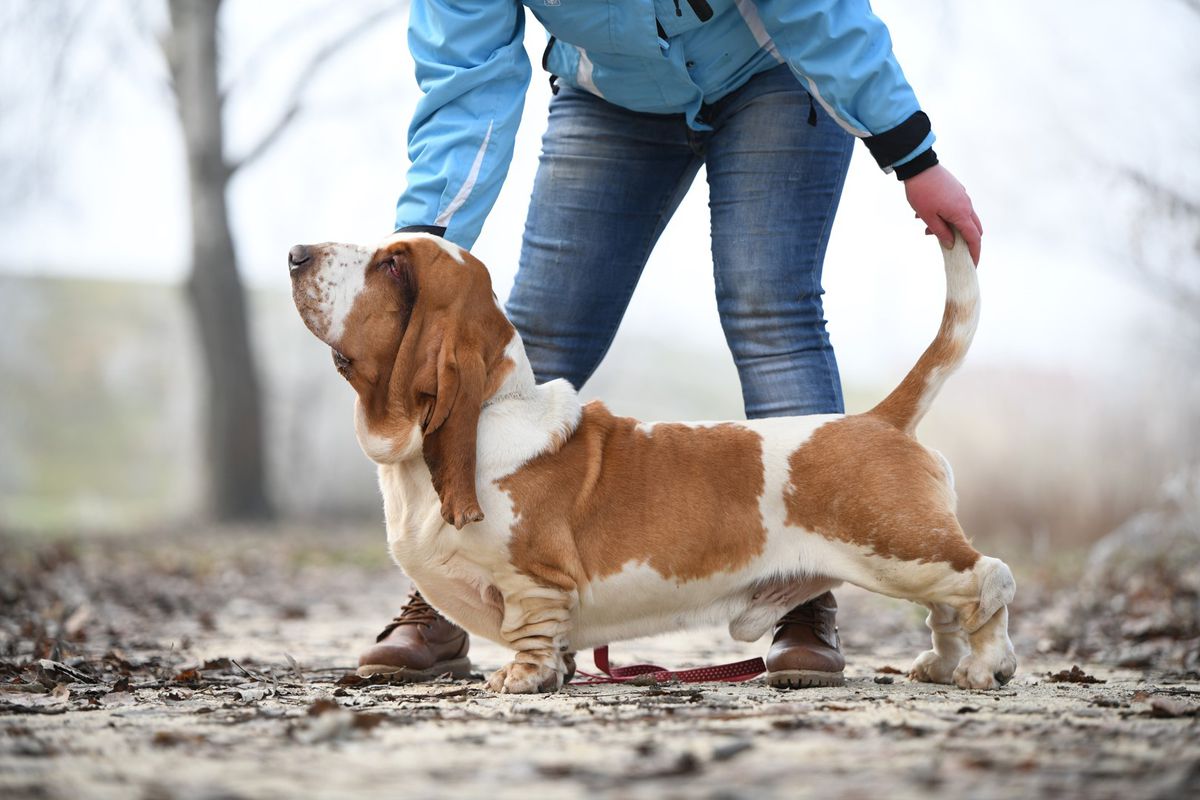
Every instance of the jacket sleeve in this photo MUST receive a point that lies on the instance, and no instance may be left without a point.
(473, 71)
(843, 53)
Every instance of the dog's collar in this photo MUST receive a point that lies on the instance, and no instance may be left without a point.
(498, 398)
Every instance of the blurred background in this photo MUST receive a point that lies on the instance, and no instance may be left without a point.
(157, 160)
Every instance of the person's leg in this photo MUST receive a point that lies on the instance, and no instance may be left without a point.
(774, 184)
(608, 182)
(775, 181)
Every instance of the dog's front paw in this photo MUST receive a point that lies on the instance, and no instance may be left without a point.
(981, 672)
(929, 667)
(522, 678)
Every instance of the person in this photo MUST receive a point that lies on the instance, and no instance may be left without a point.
(768, 95)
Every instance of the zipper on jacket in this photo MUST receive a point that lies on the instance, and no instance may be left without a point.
(678, 10)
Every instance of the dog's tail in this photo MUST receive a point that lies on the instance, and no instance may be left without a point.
(907, 404)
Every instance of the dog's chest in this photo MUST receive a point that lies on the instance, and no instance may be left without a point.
(444, 564)
(452, 582)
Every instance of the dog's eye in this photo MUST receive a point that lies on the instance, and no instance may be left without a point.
(391, 265)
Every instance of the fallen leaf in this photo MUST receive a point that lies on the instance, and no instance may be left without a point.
(175, 739)
(1169, 708)
(188, 677)
(75, 624)
(728, 751)
(61, 672)
(254, 693)
(322, 705)
(1073, 675)
(366, 720)
(299, 673)
(326, 726)
(796, 724)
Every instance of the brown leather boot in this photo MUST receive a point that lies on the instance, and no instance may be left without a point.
(805, 651)
(418, 645)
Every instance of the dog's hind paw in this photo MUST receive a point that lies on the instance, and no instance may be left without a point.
(975, 672)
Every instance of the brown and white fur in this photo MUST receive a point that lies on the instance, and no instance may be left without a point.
(549, 526)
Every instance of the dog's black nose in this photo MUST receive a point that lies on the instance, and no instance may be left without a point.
(298, 256)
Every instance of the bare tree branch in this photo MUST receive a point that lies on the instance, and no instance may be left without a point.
(1171, 219)
(50, 91)
(280, 37)
(1169, 197)
(295, 103)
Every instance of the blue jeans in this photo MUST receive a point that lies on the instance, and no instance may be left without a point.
(609, 181)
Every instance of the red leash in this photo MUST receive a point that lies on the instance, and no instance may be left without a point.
(650, 673)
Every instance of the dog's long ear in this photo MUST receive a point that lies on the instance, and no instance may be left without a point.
(451, 428)
(455, 349)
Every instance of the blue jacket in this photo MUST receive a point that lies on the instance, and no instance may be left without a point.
(659, 56)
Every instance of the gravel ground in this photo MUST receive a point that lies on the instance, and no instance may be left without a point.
(206, 664)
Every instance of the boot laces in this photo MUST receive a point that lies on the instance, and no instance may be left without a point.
(415, 612)
(800, 615)
(812, 615)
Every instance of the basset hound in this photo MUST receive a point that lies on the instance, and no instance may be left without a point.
(550, 526)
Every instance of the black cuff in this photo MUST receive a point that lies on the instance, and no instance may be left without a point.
(917, 165)
(891, 146)
(436, 230)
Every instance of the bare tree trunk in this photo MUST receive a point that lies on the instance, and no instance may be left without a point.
(235, 465)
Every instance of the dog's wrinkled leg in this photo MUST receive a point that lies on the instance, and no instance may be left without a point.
(536, 623)
(992, 660)
(950, 646)
(969, 618)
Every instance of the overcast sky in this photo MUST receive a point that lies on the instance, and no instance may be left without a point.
(1035, 105)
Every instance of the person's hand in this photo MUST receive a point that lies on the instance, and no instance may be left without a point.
(942, 204)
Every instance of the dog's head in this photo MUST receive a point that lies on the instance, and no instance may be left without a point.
(417, 332)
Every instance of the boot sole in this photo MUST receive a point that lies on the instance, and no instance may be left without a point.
(804, 679)
(457, 668)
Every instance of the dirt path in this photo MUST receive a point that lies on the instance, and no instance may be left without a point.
(215, 665)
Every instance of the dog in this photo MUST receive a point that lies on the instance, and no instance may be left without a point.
(550, 526)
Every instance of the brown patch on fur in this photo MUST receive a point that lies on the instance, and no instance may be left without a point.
(902, 407)
(682, 500)
(498, 375)
(862, 481)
